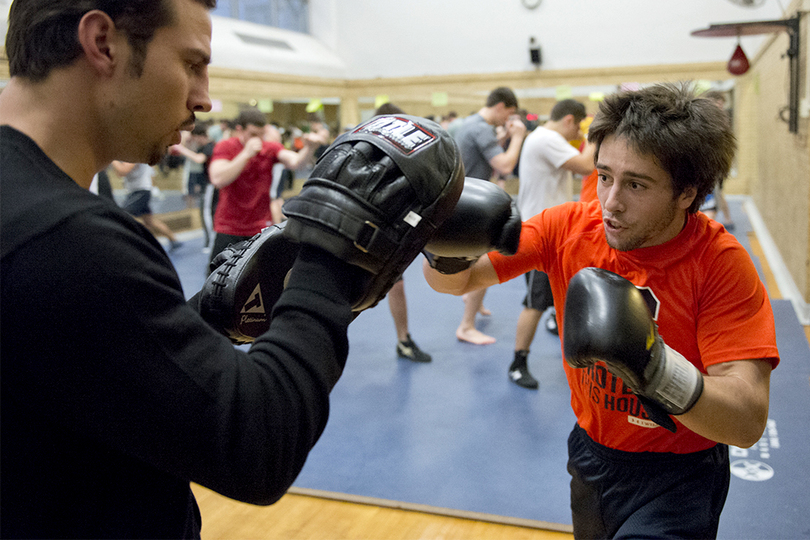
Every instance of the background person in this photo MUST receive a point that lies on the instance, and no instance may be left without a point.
(137, 179)
(198, 149)
(482, 156)
(546, 163)
(242, 170)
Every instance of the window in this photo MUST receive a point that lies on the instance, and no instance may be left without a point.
(287, 14)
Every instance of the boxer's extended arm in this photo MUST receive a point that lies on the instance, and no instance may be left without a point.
(480, 275)
(485, 219)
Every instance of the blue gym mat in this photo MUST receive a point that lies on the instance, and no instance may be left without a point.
(457, 434)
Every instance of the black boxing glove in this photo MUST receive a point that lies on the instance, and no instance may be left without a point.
(607, 319)
(485, 219)
(376, 196)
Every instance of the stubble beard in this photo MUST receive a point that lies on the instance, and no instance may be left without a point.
(156, 154)
(638, 241)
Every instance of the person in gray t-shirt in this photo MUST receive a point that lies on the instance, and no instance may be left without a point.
(482, 156)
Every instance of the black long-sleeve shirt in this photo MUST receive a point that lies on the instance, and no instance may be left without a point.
(116, 394)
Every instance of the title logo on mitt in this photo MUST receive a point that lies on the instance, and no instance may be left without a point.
(403, 134)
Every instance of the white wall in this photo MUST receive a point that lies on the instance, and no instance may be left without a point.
(358, 39)
(388, 38)
(301, 55)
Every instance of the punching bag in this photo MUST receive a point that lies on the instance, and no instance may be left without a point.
(739, 62)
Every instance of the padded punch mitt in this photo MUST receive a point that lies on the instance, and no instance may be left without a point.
(239, 294)
(377, 195)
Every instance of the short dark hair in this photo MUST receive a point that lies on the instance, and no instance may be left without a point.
(251, 116)
(689, 135)
(388, 108)
(42, 34)
(503, 95)
(565, 107)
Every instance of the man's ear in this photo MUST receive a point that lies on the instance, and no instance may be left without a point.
(100, 41)
(685, 199)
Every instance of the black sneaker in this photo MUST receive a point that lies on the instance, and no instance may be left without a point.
(521, 377)
(407, 349)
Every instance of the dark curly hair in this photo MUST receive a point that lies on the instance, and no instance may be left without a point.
(689, 135)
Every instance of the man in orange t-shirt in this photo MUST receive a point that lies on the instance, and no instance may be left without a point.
(659, 151)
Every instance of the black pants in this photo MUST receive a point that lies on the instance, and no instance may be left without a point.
(617, 494)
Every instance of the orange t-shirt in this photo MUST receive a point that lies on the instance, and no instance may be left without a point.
(705, 294)
(588, 191)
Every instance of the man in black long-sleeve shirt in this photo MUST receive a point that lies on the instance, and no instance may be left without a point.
(115, 393)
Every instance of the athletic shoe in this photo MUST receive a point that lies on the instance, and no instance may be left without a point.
(522, 377)
(408, 350)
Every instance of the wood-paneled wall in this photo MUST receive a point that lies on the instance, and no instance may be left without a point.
(465, 93)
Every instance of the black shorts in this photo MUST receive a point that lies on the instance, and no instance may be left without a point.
(617, 494)
(538, 291)
(197, 183)
(137, 202)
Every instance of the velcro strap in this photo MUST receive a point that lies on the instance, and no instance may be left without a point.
(335, 208)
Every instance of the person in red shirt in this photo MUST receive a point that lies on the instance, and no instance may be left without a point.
(659, 152)
(242, 169)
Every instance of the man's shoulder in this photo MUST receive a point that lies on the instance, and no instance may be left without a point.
(546, 136)
(272, 148)
(475, 130)
(34, 205)
(474, 121)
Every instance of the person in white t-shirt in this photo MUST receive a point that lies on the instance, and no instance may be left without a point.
(546, 163)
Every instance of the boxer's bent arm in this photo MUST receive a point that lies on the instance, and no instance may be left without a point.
(480, 275)
(733, 408)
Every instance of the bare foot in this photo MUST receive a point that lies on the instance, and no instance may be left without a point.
(474, 336)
